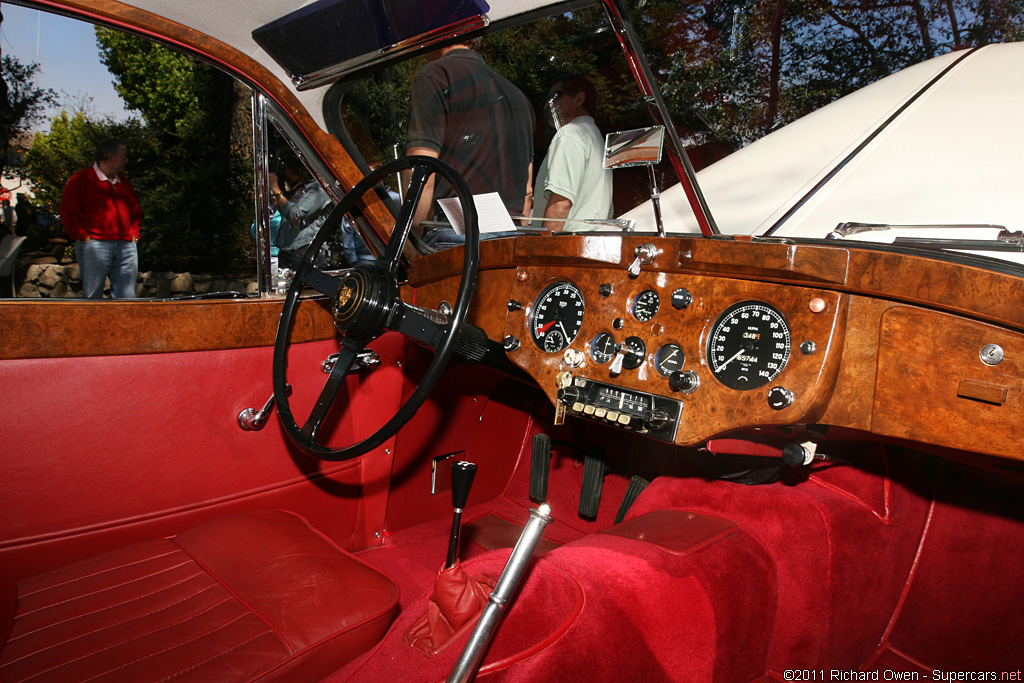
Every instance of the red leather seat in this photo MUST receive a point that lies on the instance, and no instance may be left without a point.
(255, 596)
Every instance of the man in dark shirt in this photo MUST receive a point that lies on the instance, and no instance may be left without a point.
(475, 119)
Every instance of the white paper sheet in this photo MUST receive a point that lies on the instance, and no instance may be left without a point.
(490, 210)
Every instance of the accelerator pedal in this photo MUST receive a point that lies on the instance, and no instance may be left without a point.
(540, 465)
(636, 486)
(593, 482)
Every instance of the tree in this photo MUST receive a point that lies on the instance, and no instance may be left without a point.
(197, 190)
(22, 104)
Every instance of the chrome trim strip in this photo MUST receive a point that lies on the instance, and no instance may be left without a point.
(261, 193)
(429, 39)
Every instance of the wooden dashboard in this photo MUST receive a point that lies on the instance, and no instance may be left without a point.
(897, 345)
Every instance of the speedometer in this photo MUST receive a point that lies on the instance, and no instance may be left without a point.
(557, 317)
(749, 345)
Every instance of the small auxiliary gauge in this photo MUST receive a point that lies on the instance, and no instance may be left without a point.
(646, 305)
(602, 348)
(669, 359)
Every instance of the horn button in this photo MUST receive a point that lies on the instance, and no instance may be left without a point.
(364, 302)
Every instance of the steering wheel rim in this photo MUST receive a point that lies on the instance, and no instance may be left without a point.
(366, 302)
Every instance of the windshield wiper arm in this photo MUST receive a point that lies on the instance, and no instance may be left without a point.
(854, 228)
(1005, 240)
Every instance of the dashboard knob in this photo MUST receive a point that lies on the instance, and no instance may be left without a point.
(686, 382)
(514, 305)
(568, 395)
(656, 418)
(681, 298)
(511, 343)
(795, 455)
(779, 398)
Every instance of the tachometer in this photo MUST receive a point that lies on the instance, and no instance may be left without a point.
(749, 345)
(557, 316)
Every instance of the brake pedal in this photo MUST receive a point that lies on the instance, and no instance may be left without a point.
(593, 482)
(637, 484)
(540, 467)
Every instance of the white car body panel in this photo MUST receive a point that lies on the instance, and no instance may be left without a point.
(954, 156)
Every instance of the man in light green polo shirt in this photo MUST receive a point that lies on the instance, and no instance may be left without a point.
(572, 181)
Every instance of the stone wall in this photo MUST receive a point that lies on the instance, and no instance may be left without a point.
(53, 280)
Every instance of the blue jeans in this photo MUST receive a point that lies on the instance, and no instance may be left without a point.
(100, 259)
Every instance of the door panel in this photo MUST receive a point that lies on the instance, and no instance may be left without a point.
(102, 450)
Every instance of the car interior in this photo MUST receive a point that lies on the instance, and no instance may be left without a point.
(612, 455)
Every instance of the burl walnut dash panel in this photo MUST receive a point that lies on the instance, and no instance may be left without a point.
(932, 385)
(713, 408)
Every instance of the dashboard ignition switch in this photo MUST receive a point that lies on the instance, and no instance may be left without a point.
(685, 382)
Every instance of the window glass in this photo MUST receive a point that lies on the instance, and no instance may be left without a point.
(731, 73)
(187, 134)
(395, 110)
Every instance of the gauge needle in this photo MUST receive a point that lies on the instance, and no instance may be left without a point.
(734, 357)
(563, 330)
(547, 326)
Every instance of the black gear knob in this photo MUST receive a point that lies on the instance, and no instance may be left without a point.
(462, 480)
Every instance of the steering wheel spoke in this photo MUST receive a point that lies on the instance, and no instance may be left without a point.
(340, 370)
(403, 224)
(421, 324)
(325, 283)
(366, 300)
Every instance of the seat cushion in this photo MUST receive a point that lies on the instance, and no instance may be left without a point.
(254, 596)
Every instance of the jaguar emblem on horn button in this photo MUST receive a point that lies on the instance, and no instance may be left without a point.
(344, 295)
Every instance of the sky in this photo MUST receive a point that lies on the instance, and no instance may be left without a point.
(67, 54)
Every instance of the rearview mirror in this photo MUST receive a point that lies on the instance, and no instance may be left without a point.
(634, 147)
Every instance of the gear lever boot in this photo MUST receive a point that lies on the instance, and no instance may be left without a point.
(454, 606)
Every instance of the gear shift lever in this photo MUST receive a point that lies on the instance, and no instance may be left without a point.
(462, 480)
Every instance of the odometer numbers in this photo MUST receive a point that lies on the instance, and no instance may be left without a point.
(557, 317)
(749, 345)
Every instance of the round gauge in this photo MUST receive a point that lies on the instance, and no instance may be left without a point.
(669, 359)
(636, 354)
(602, 348)
(749, 345)
(557, 316)
(645, 305)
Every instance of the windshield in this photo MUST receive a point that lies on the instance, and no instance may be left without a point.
(789, 112)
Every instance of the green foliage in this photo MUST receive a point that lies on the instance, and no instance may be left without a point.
(69, 146)
(733, 70)
(189, 154)
(22, 103)
(196, 186)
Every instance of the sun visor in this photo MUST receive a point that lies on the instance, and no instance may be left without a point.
(325, 38)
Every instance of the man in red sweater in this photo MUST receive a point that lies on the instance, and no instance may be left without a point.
(101, 213)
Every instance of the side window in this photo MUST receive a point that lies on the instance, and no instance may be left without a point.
(175, 188)
(298, 207)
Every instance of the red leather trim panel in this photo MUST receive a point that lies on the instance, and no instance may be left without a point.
(253, 595)
(101, 452)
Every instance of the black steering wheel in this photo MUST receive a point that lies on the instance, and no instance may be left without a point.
(366, 302)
